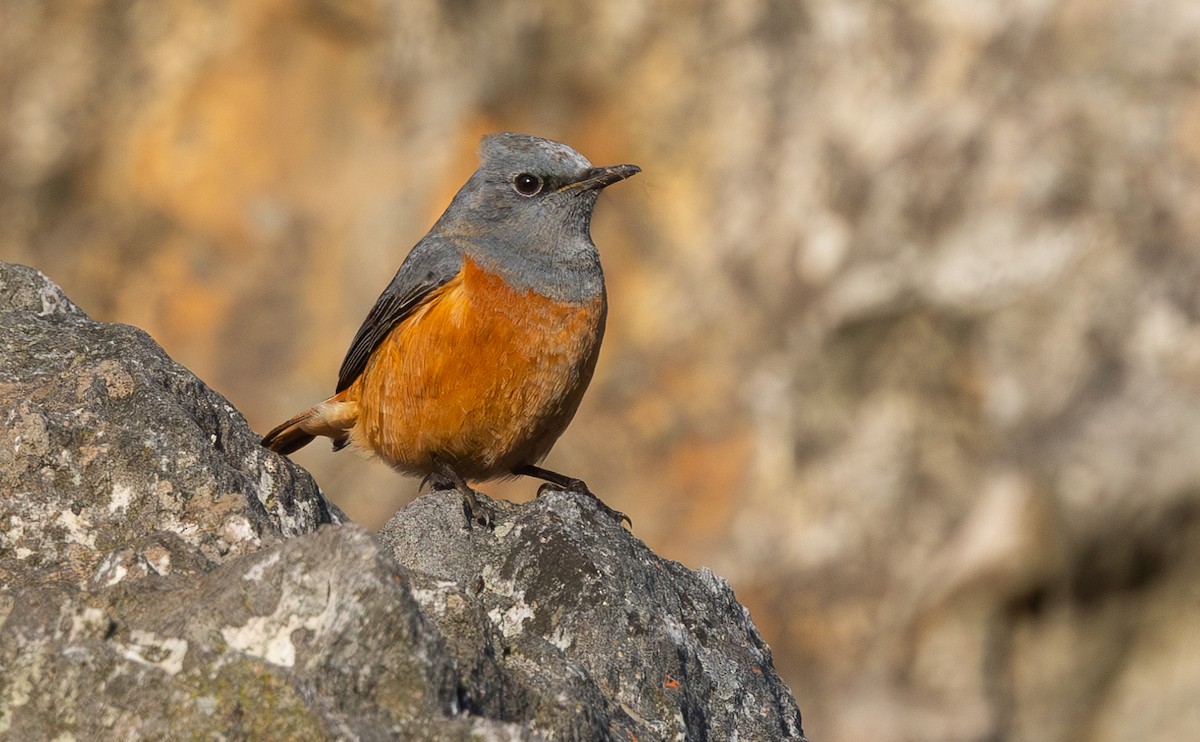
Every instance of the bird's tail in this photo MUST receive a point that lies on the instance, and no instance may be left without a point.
(333, 418)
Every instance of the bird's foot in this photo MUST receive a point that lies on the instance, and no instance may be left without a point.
(560, 482)
(475, 510)
(577, 487)
(473, 502)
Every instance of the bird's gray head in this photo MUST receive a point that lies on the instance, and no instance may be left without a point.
(527, 213)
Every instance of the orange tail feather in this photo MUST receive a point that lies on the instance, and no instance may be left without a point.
(332, 418)
(290, 436)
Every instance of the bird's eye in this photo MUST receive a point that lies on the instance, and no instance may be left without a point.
(527, 185)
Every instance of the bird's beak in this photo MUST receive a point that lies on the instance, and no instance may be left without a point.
(601, 177)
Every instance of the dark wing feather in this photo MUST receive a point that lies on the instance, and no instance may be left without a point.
(430, 265)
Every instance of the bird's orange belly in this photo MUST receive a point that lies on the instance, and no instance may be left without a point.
(483, 376)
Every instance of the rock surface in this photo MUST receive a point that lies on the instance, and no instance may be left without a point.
(160, 573)
(574, 609)
(105, 441)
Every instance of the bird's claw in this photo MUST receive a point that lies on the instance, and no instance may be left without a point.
(578, 487)
(476, 511)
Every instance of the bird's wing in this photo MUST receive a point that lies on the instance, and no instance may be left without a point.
(430, 265)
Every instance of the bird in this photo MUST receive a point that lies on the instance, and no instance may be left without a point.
(474, 359)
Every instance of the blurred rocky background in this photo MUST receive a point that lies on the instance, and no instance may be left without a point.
(905, 306)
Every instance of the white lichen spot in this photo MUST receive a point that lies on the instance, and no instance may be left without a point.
(256, 571)
(430, 600)
(87, 622)
(266, 482)
(561, 638)
(265, 638)
(16, 525)
(270, 637)
(111, 570)
(78, 530)
(122, 495)
(148, 649)
(493, 582)
(23, 553)
(187, 531)
(238, 530)
(510, 621)
(52, 301)
(441, 597)
(159, 560)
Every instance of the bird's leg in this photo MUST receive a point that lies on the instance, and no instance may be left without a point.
(445, 477)
(570, 484)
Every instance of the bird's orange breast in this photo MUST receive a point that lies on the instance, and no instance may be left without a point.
(482, 375)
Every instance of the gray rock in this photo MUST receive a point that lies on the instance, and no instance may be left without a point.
(105, 440)
(161, 574)
(314, 637)
(575, 608)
